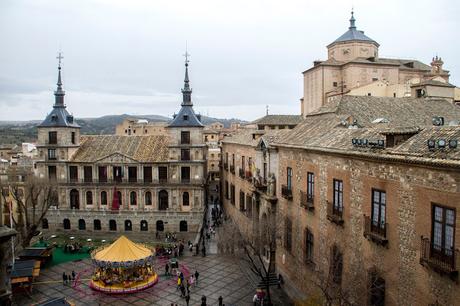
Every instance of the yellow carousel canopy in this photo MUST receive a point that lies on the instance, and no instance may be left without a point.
(122, 250)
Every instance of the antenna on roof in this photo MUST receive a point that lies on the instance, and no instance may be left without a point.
(266, 109)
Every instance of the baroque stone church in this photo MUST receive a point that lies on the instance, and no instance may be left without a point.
(124, 183)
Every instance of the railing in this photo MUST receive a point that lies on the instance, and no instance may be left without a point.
(375, 231)
(286, 192)
(260, 183)
(112, 181)
(442, 260)
(335, 213)
(306, 200)
(241, 173)
(232, 169)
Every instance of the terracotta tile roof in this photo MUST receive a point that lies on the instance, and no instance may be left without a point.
(278, 120)
(245, 136)
(328, 128)
(146, 149)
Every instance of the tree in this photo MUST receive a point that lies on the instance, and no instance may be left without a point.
(252, 247)
(32, 197)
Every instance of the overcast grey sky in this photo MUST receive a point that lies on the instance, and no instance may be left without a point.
(126, 56)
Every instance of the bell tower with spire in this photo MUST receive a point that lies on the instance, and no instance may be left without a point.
(187, 151)
(58, 136)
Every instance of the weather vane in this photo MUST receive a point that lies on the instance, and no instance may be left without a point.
(186, 54)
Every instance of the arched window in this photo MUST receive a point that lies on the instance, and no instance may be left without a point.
(112, 225)
(66, 224)
(144, 226)
(45, 223)
(97, 225)
(104, 198)
(148, 198)
(89, 198)
(120, 202)
(185, 199)
(74, 199)
(160, 226)
(183, 226)
(163, 200)
(128, 225)
(81, 224)
(133, 198)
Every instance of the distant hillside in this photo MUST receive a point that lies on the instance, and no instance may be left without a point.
(26, 131)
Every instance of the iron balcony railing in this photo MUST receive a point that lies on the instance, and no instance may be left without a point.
(260, 183)
(286, 192)
(442, 260)
(376, 231)
(335, 213)
(306, 200)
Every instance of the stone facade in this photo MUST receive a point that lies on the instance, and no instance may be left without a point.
(136, 127)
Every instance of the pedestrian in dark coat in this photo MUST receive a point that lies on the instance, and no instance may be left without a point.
(73, 275)
(64, 278)
(196, 276)
(203, 300)
(221, 300)
(187, 299)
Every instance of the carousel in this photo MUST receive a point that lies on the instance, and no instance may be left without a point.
(123, 267)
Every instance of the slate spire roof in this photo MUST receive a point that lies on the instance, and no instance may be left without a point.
(59, 116)
(353, 34)
(186, 116)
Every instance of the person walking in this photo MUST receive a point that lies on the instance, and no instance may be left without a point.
(187, 299)
(187, 285)
(192, 280)
(182, 290)
(203, 300)
(255, 299)
(64, 278)
(196, 276)
(221, 300)
(73, 275)
(179, 282)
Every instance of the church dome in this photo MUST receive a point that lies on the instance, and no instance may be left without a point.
(353, 34)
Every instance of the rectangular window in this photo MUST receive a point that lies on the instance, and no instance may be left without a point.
(102, 173)
(233, 159)
(88, 174)
(185, 154)
(52, 173)
(52, 137)
(376, 289)
(242, 201)
(443, 231)
(72, 136)
(378, 209)
(185, 174)
(132, 174)
(338, 197)
(185, 137)
(117, 174)
(288, 235)
(73, 173)
(227, 193)
(334, 84)
(289, 178)
(163, 174)
(243, 163)
(232, 194)
(309, 240)
(265, 172)
(147, 174)
(310, 185)
(52, 154)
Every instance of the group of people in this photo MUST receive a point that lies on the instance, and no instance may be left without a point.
(185, 284)
(175, 250)
(72, 247)
(67, 279)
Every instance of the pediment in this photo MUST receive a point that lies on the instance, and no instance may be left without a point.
(115, 158)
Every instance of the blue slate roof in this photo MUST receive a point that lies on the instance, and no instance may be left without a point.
(353, 34)
(59, 117)
(186, 118)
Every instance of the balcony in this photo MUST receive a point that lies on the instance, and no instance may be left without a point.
(248, 175)
(375, 231)
(241, 173)
(442, 260)
(286, 192)
(232, 169)
(226, 166)
(306, 201)
(260, 183)
(335, 213)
